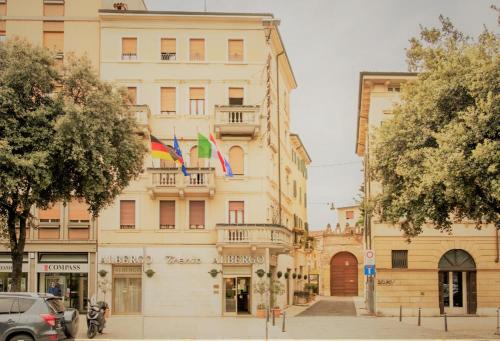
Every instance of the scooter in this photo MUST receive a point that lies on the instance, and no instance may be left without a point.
(96, 319)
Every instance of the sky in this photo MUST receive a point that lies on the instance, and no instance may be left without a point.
(329, 42)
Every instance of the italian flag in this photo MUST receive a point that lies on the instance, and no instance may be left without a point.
(207, 148)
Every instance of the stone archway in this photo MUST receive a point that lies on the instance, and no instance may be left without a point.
(457, 283)
(344, 274)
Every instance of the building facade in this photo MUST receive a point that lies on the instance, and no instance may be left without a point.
(199, 244)
(457, 273)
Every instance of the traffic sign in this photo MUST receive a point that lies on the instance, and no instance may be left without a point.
(369, 257)
(369, 270)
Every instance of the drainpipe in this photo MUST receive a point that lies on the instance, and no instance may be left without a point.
(279, 131)
(496, 243)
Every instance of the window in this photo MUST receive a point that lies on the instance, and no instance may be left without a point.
(236, 212)
(168, 103)
(127, 214)
(399, 259)
(236, 160)
(6, 304)
(51, 214)
(196, 214)
(197, 101)
(236, 96)
(194, 161)
(349, 214)
(132, 95)
(305, 200)
(167, 214)
(53, 9)
(168, 49)
(3, 8)
(197, 49)
(53, 36)
(235, 50)
(394, 88)
(129, 48)
(79, 220)
(294, 188)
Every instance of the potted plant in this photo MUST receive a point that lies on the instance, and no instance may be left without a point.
(261, 310)
(261, 288)
(287, 275)
(102, 272)
(279, 274)
(277, 288)
(300, 276)
(260, 273)
(294, 275)
(150, 272)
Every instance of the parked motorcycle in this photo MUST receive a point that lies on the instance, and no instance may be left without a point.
(96, 318)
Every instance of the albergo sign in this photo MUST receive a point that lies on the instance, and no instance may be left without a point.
(62, 267)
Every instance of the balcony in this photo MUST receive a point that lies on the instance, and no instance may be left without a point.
(258, 235)
(237, 120)
(142, 116)
(170, 182)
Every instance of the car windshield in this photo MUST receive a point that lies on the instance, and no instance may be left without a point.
(55, 305)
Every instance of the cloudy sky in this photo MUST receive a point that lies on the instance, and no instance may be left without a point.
(329, 42)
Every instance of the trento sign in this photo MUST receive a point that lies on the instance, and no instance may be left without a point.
(60, 267)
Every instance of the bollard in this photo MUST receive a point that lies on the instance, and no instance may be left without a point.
(267, 314)
(284, 317)
(274, 317)
(400, 313)
(445, 322)
(498, 322)
(419, 316)
(267, 320)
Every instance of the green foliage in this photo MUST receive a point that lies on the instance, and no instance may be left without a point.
(438, 159)
(76, 142)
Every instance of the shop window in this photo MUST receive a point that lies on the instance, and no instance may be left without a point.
(127, 290)
(349, 214)
(235, 50)
(168, 101)
(53, 9)
(237, 160)
(196, 214)
(168, 49)
(132, 95)
(236, 98)
(197, 49)
(167, 214)
(53, 37)
(197, 101)
(399, 259)
(236, 212)
(127, 214)
(129, 48)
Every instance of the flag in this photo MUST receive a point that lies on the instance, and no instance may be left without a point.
(229, 171)
(161, 151)
(207, 148)
(217, 151)
(204, 147)
(179, 152)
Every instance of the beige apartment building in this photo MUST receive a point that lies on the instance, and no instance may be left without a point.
(440, 273)
(62, 249)
(193, 245)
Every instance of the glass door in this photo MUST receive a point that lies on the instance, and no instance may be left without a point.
(454, 292)
(243, 300)
(230, 295)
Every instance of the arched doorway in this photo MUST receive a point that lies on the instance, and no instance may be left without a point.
(457, 283)
(344, 275)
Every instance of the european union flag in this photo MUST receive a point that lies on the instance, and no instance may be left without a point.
(178, 151)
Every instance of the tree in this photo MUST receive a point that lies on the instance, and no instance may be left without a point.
(438, 159)
(62, 135)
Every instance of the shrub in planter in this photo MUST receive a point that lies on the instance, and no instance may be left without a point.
(305, 276)
(269, 274)
(294, 275)
(300, 276)
(279, 274)
(102, 272)
(260, 273)
(287, 275)
(261, 310)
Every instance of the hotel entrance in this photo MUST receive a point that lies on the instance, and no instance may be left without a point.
(237, 295)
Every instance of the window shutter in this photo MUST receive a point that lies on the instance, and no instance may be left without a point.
(197, 214)
(168, 100)
(53, 10)
(132, 94)
(129, 45)
(349, 214)
(197, 93)
(53, 26)
(53, 213)
(2, 25)
(78, 210)
(3, 9)
(197, 49)
(236, 205)
(236, 160)
(167, 214)
(235, 92)
(235, 50)
(127, 213)
(168, 45)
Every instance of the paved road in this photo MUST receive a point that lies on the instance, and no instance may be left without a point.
(331, 308)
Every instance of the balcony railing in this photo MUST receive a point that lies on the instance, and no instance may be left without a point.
(168, 56)
(267, 235)
(237, 120)
(171, 182)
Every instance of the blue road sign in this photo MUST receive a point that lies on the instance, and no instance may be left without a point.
(369, 270)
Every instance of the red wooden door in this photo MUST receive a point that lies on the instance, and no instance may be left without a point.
(344, 275)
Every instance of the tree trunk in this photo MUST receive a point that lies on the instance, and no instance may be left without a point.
(16, 246)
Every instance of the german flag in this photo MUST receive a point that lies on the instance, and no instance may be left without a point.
(161, 151)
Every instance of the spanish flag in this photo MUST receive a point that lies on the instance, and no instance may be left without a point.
(164, 152)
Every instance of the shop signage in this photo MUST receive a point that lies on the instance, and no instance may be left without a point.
(239, 260)
(7, 267)
(126, 260)
(182, 260)
(62, 267)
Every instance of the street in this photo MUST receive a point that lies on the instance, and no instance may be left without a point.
(327, 318)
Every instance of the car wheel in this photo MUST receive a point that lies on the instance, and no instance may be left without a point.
(21, 337)
(92, 331)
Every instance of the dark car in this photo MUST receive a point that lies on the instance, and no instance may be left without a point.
(32, 316)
